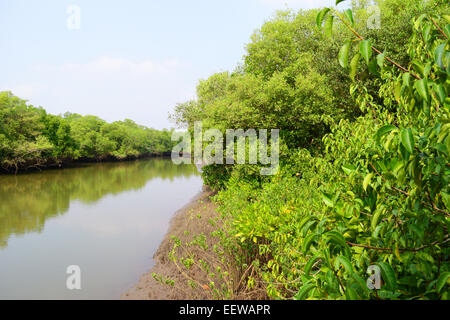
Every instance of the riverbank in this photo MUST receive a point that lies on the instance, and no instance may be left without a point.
(202, 269)
(189, 221)
(61, 163)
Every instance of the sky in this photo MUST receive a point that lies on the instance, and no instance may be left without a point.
(132, 59)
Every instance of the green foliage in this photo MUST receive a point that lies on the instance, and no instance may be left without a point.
(21, 140)
(377, 192)
(280, 86)
(292, 80)
(29, 137)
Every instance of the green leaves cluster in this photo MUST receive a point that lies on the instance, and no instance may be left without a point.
(378, 193)
(29, 137)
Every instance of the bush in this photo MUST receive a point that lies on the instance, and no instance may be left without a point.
(377, 196)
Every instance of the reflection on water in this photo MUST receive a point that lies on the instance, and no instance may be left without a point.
(107, 218)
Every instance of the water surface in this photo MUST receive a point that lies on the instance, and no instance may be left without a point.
(106, 218)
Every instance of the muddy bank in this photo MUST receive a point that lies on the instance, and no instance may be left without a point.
(194, 219)
(223, 278)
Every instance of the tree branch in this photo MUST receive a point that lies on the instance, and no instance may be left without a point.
(373, 48)
(439, 28)
(447, 239)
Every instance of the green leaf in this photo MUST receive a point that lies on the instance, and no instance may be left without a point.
(327, 199)
(365, 49)
(307, 242)
(422, 88)
(343, 54)
(427, 70)
(362, 284)
(380, 59)
(351, 294)
(354, 66)
(304, 290)
(304, 221)
(406, 77)
(328, 28)
(397, 91)
(439, 55)
(367, 180)
(440, 92)
(388, 275)
(373, 67)
(447, 30)
(405, 154)
(348, 168)
(307, 226)
(349, 15)
(441, 147)
(384, 130)
(388, 295)
(419, 21)
(442, 281)
(310, 264)
(407, 139)
(426, 31)
(339, 1)
(418, 231)
(447, 57)
(446, 199)
(336, 237)
(345, 262)
(375, 218)
(418, 66)
(320, 16)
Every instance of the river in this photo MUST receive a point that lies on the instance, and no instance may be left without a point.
(108, 219)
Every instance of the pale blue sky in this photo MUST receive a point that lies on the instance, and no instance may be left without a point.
(129, 59)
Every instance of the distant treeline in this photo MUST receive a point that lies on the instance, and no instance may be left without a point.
(32, 138)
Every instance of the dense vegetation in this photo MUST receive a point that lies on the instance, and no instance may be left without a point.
(32, 138)
(365, 175)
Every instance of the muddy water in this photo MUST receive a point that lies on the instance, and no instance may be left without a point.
(108, 219)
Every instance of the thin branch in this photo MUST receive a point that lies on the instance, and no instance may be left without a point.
(407, 194)
(439, 28)
(400, 250)
(373, 48)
